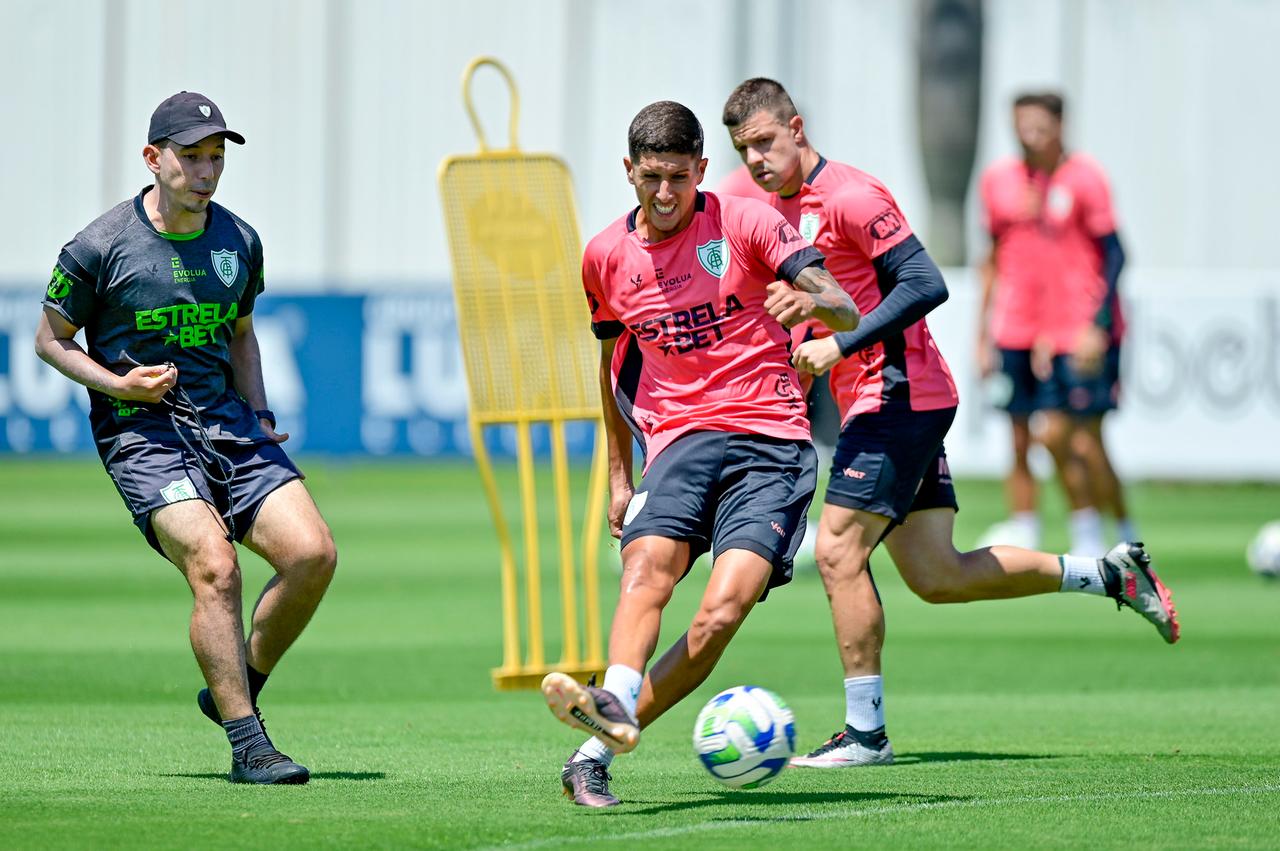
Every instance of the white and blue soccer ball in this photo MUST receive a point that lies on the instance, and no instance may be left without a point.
(744, 736)
(1263, 553)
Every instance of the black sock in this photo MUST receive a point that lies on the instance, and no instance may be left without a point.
(257, 680)
(245, 733)
(874, 739)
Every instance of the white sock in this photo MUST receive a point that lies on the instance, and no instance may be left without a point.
(864, 703)
(624, 683)
(1126, 530)
(594, 749)
(1028, 520)
(1085, 528)
(1082, 574)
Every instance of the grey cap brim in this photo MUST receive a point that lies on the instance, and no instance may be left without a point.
(195, 134)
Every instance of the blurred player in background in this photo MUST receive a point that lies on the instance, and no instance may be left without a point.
(889, 480)
(1049, 326)
(164, 285)
(687, 299)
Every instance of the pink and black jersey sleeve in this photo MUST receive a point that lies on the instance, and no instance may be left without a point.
(762, 234)
(604, 323)
(867, 216)
(1094, 197)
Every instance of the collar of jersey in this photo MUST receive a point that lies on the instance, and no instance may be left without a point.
(141, 213)
(698, 206)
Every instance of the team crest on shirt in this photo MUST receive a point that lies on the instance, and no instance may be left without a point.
(711, 256)
(809, 226)
(1060, 202)
(226, 265)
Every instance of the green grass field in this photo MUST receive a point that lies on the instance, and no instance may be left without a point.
(1052, 722)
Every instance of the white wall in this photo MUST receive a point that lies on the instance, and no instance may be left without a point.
(349, 107)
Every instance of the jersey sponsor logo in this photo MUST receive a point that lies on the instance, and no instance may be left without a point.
(637, 279)
(188, 325)
(785, 388)
(184, 275)
(179, 490)
(711, 254)
(786, 233)
(683, 331)
(885, 225)
(59, 285)
(121, 408)
(226, 265)
(673, 283)
(809, 226)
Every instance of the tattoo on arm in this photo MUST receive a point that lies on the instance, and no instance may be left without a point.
(833, 306)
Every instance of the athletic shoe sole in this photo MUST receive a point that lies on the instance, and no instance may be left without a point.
(1136, 562)
(570, 701)
(1174, 631)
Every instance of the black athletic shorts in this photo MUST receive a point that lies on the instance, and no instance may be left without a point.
(1082, 395)
(892, 463)
(722, 491)
(151, 474)
(1066, 390)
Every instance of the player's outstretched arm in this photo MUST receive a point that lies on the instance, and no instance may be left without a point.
(917, 288)
(246, 372)
(618, 443)
(813, 295)
(56, 346)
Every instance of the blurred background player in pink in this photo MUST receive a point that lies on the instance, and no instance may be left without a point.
(1049, 324)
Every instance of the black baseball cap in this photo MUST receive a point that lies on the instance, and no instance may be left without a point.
(186, 118)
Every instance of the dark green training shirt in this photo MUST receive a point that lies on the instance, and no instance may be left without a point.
(144, 297)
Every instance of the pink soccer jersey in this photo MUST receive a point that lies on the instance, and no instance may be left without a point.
(852, 218)
(1049, 282)
(699, 351)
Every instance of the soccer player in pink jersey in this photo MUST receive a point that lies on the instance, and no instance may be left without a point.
(1054, 326)
(889, 479)
(691, 296)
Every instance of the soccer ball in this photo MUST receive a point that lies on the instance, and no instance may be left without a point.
(744, 736)
(1263, 554)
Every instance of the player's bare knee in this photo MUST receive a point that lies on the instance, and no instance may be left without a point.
(936, 586)
(838, 560)
(321, 559)
(644, 574)
(716, 621)
(214, 571)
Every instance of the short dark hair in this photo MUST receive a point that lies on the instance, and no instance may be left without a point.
(665, 127)
(1050, 102)
(754, 95)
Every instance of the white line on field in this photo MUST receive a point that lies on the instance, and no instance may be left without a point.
(888, 809)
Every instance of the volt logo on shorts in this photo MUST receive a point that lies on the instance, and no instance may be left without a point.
(777, 527)
(683, 331)
(634, 506)
(851, 473)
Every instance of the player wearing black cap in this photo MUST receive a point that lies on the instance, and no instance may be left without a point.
(164, 285)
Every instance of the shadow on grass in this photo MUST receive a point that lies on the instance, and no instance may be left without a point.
(315, 775)
(965, 756)
(782, 799)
